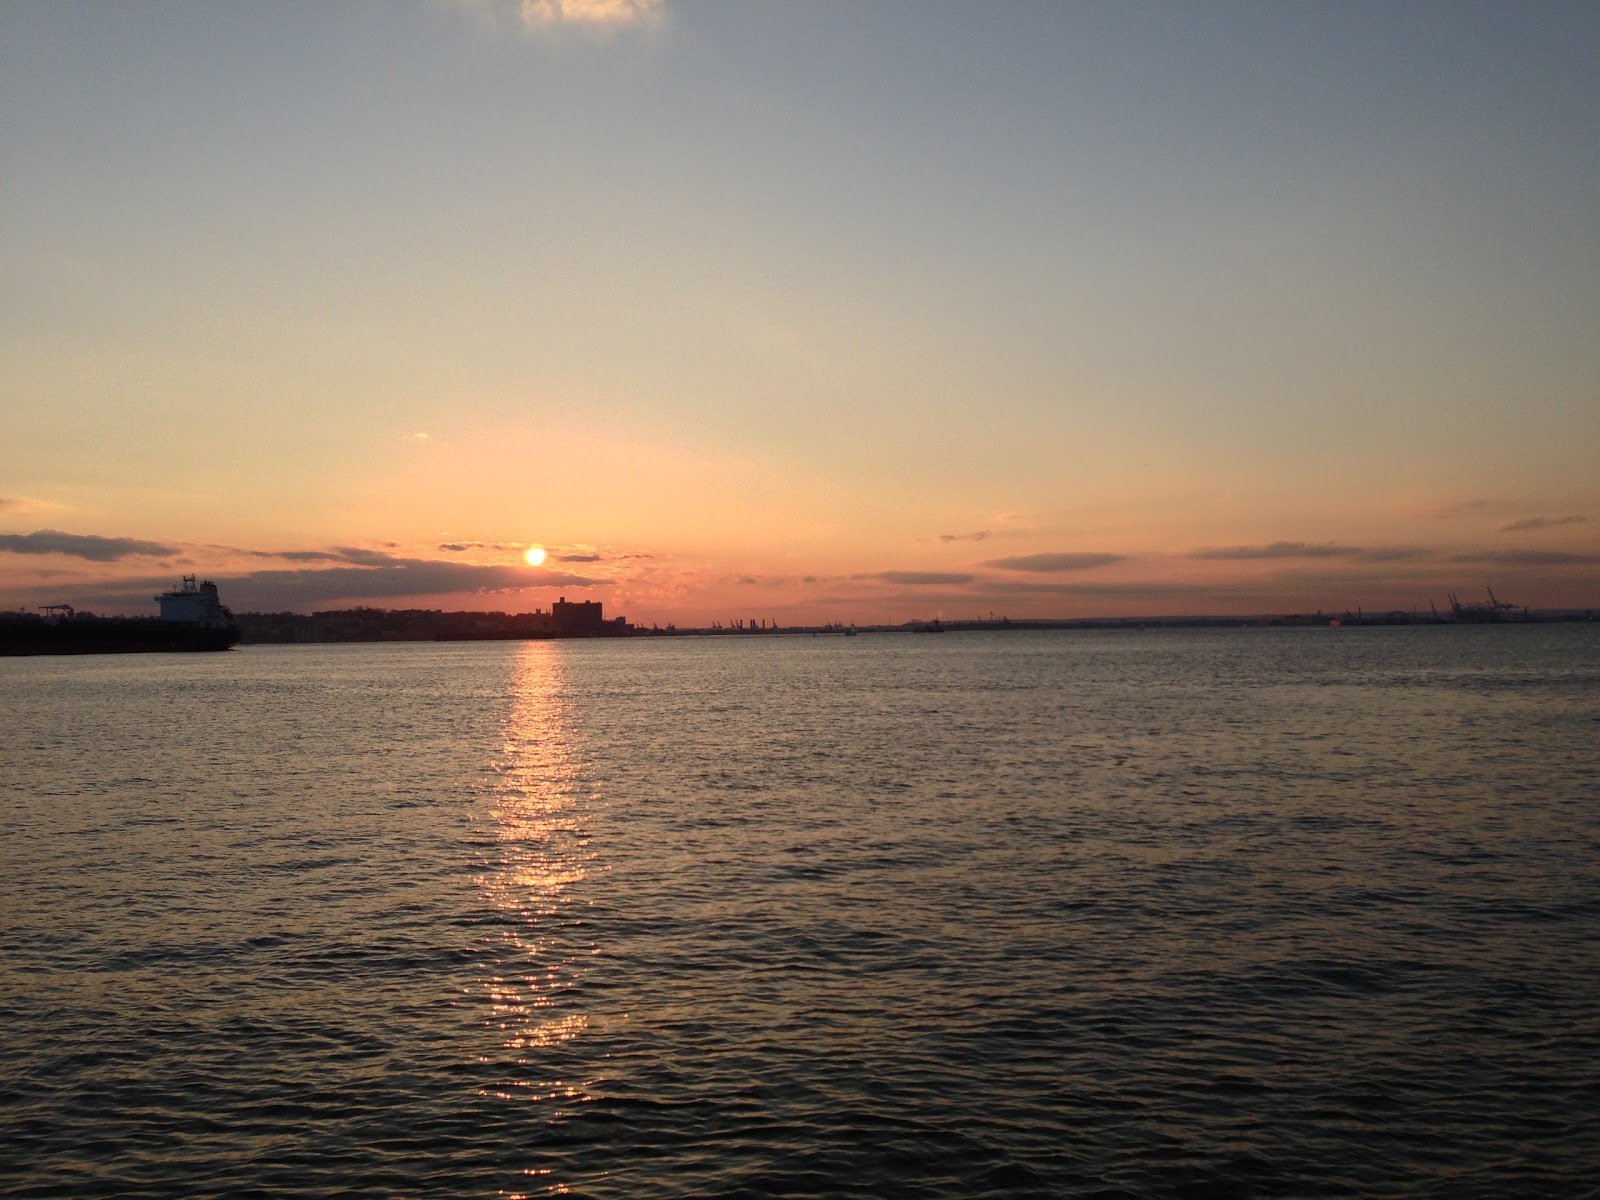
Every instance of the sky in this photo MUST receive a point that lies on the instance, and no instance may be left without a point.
(801, 311)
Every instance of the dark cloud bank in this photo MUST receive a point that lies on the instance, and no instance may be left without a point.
(364, 575)
(394, 580)
(83, 545)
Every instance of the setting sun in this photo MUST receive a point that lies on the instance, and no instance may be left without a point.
(535, 555)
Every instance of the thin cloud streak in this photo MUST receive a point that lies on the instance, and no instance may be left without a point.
(1278, 550)
(1383, 554)
(918, 578)
(1132, 590)
(1461, 508)
(1530, 558)
(1532, 523)
(458, 547)
(25, 504)
(1054, 562)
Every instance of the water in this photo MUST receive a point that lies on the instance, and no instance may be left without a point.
(1182, 913)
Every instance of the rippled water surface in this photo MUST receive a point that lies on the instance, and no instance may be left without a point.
(1187, 913)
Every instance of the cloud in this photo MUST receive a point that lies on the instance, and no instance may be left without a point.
(17, 505)
(88, 545)
(538, 14)
(1279, 550)
(1114, 591)
(298, 555)
(572, 556)
(979, 536)
(388, 579)
(1528, 523)
(1530, 558)
(457, 547)
(1292, 550)
(354, 573)
(1380, 554)
(339, 554)
(1461, 508)
(917, 578)
(1054, 562)
(369, 558)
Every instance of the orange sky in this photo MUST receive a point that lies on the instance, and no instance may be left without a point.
(1041, 312)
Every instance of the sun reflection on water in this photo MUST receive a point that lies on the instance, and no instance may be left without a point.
(541, 854)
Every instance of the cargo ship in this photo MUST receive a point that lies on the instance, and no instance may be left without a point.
(192, 618)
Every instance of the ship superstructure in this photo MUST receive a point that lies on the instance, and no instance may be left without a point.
(195, 603)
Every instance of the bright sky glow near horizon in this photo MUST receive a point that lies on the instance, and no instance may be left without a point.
(801, 311)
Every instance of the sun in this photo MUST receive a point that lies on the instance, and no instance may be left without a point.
(535, 555)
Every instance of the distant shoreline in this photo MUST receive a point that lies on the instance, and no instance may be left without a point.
(411, 625)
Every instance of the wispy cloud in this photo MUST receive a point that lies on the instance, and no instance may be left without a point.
(1530, 558)
(918, 578)
(298, 555)
(1279, 550)
(82, 545)
(573, 556)
(1382, 554)
(458, 547)
(26, 504)
(979, 536)
(1461, 508)
(1133, 590)
(1054, 562)
(1530, 523)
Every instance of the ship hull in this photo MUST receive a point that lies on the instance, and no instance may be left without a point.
(111, 635)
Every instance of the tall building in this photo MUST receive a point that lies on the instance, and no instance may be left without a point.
(577, 616)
